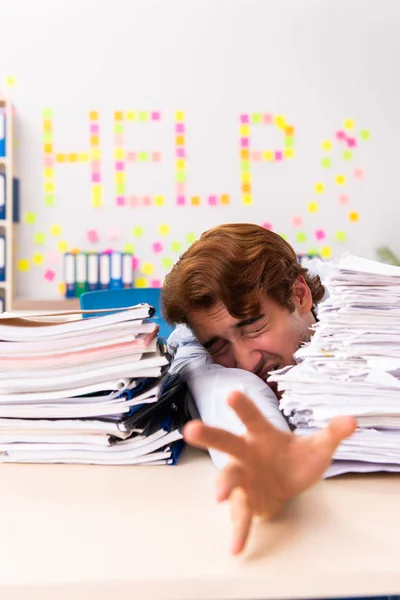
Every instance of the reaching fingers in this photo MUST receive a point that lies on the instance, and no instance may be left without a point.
(241, 519)
(231, 477)
(337, 430)
(201, 435)
(250, 415)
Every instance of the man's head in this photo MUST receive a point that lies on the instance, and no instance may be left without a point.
(243, 293)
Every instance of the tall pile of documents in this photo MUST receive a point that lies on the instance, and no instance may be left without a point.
(352, 366)
(92, 390)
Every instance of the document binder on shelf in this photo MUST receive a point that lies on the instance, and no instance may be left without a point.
(69, 275)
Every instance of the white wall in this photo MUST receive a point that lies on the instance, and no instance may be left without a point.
(316, 62)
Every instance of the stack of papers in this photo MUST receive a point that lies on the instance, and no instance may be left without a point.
(92, 390)
(352, 366)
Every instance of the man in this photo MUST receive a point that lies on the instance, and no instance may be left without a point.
(250, 305)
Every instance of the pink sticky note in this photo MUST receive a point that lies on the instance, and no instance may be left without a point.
(96, 177)
(131, 156)
(113, 234)
(155, 283)
(119, 165)
(267, 119)
(48, 161)
(244, 142)
(180, 200)
(156, 156)
(157, 247)
(320, 234)
(146, 201)
(256, 156)
(358, 173)
(244, 118)
(297, 221)
(133, 201)
(212, 200)
(351, 142)
(92, 235)
(278, 155)
(120, 200)
(343, 199)
(267, 226)
(94, 128)
(135, 262)
(180, 189)
(180, 128)
(95, 166)
(53, 257)
(156, 115)
(340, 135)
(119, 140)
(108, 250)
(49, 274)
(180, 153)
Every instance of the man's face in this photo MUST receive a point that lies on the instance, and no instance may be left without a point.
(262, 344)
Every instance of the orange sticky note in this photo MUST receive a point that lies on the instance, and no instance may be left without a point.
(225, 199)
(118, 115)
(73, 157)
(93, 115)
(353, 216)
(60, 158)
(195, 200)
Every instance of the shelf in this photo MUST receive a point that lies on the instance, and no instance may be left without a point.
(56, 304)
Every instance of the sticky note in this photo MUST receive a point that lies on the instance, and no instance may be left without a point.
(47, 113)
(146, 200)
(118, 115)
(301, 236)
(39, 238)
(343, 199)
(289, 131)
(320, 234)
(195, 200)
(288, 153)
(129, 249)
(156, 156)
(143, 115)
(244, 118)
(176, 246)
(180, 176)
(284, 236)
(256, 156)
(135, 263)
(288, 142)
(166, 263)
(140, 282)
(180, 140)
(159, 200)
(164, 229)
(244, 142)
(268, 119)
(48, 162)
(113, 234)
(96, 178)
(180, 115)
(157, 247)
(326, 162)
(326, 145)
(155, 115)
(351, 142)
(297, 221)
(119, 153)
(278, 155)
(143, 156)
(49, 200)
(73, 157)
(137, 231)
(180, 200)
(213, 200)
(30, 218)
(326, 252)
(147, 268)
(353, 216)
(246, 177)
(319, 188)
(225, 199)
(247, 199)
(95, 154)
(245, 165)
(47, 137)
(312, 251)
(55, 230)
(62, 288)
(348, 124)
(267, 226)
(130, 115)
(268, 155)
(94, 140)
(191, 237)
(49, 173)
(347, 154)
(62, 246)
(49, 186)
(23, 264)
(155, 283)
(313, 207)
(118, 129)
(38, 259)
(280, 121)
(340, 179)
(358, 173)
(244, 130)
(93, 115)
(119, 177)
(10, 81)
(49, 275)
(365, 134)
(340, 236)
(120, 189)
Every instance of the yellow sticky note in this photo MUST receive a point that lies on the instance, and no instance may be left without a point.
(244, 130)
(268, 155)
(130, 115)
(176, 246)
(353, 216)
(288, 152)
(247, 199)
(137, 231)
(164, 229)
(47, 125)
(224, 199)
(39, 238)
(180, 164)
(38, 259)
(62, 288)
(147, 269)
(129, 248)
(280, 121)
(119, 177)
(119, 154)
(49, 173)
(140, 282)
(326, 252)
(191, 237)
(73, 157)
(23, 264)
(95, 154)
(348, 124)
(246, 177)
(326, 145)
(60, 158)
(167, 263)
(159, 200)
(55, 230)
(30, 218)
(48, 186)
(97, 195)
(180, 115)
(319, 188)
(93, 115)
(340, 179)
(313, 207)
(62, 246)
(83, 157)
(10, 81)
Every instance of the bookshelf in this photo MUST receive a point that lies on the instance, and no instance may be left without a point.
(7, 225)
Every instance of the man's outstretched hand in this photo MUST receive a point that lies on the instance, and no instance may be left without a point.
(267, 466)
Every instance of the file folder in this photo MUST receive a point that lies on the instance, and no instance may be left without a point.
(2, 258)
(116, 271)
(69, 275)
(81, 274)
(105, 271)
(3, 192)
(93, 272)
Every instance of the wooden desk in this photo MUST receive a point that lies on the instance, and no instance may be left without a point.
(156, 533)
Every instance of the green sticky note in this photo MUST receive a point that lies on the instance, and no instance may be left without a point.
(47, 136)
(143, 156)
(245, 165)
(49, 200)
(137, 231)
(129, 248)
(256, 118)
(176, 246)
(39, 238)
(120, 189)
(347, 154)
(180, 176)
(341, 236)
(312, 252)
(47, 114)
(301, 236)
(118, 128)
(289, 141)
(143, 115)
(326, 162)
(167, 263)
(191, 237)
(30, 218)
(365, 134)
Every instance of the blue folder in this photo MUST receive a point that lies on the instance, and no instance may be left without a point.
(110, 299)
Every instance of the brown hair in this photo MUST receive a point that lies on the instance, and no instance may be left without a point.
(236, 264)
